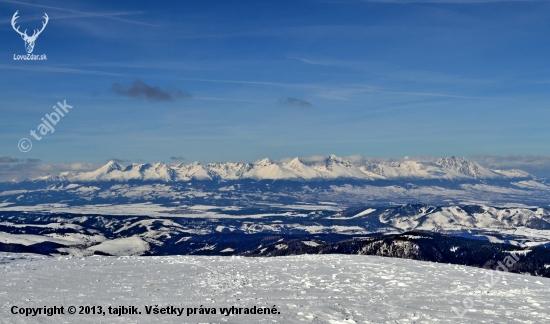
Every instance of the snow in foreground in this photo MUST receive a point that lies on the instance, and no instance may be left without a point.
(305, 289)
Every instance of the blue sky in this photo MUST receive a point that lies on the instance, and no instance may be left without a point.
(253, 79)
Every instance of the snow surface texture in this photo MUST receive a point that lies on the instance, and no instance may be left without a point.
(306, 289)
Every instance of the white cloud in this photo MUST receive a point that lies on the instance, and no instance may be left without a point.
(23, 171)
(535, 164)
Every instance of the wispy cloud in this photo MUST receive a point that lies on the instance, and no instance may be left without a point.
(78, 14)
(29, 170)
(343, 88)
(53, 69)
(9, 159)
(536, 164)
(140, 90)
(229, 99)
(394, 72)
(177, 158)
(295, 102)
(57, 16)
(117, 160)
(266, 83)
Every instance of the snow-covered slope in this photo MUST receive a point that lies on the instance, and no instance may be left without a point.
(265, 169)
(513, 173)
(333, 289)
(130, 229)
(456, 218)
(331, 167)
(464, 167)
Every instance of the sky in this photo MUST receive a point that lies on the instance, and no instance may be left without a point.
(183, 81)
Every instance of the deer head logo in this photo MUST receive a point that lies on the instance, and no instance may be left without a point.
(29, 40)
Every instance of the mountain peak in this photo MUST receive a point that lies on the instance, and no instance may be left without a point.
(318, 167)
(333, 159)
(110, 167)
(295, 161)
(463, 166)
(263, 162)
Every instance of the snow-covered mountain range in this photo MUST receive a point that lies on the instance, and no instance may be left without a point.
(351, 181)
(327, 168)
(475, 235)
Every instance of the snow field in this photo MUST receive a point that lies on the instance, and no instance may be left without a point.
(305, 289)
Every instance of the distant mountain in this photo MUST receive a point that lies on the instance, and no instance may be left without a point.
(465, 167)
(345, 181)
(473, 235)
(330, 168)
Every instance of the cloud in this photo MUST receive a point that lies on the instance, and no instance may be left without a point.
(290, 101)
(117, 160)
(431, 1)
(536, 164)
(9, 159)
(53, 69)
(338, 89)
(359, 159)
(140, 90)
(29, 169)
(112, 15)
(177, 158)
(392, 72)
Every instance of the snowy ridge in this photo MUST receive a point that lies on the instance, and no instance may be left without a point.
(463, 166)
(466, 217)
(331, 167)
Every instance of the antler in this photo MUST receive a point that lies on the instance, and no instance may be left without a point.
(13, 19)
(36, 32)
